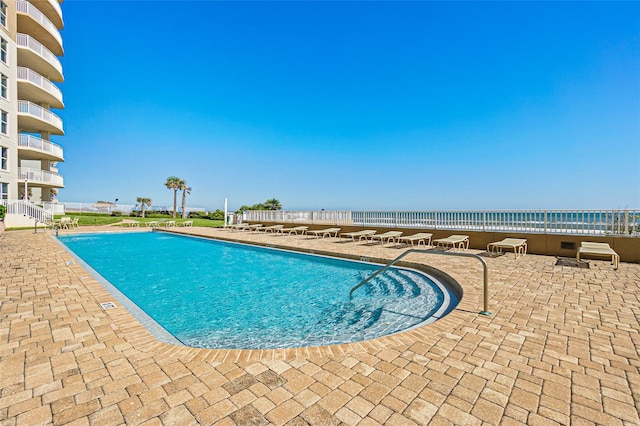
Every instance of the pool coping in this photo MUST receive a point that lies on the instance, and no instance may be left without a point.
(143, 340)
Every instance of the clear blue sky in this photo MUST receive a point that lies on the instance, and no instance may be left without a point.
(354, 105)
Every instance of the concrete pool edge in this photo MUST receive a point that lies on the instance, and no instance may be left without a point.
(141, 339)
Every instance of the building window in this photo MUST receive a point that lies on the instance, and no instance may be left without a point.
(3, 86)
(3, 50)
(3, 14)
(4, 191)
(4, 157)
(3, 122)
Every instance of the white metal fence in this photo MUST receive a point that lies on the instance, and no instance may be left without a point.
(71, 207)
(584, 222)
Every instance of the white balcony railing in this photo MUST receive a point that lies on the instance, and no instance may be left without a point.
(29, 108)
(23, 6)
(24, 40)
(27, 74)
(40, 176)
(583, 222)
(28, 141)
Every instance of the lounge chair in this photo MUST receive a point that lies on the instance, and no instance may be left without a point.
(598, 249)
(519, 246)
(455, 241)
(187, 223)
(130, 222)
(239, 227)
(327, 232)
(169, 223)
(294, 230)
(255, 227)
(153, 224)
(358, 234)
(386, 237)
(272, 228)
(420, 237)
(74, 222)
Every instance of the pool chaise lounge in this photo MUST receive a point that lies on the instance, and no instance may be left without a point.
(420, 237)
(295, 230)
(455, 241)
(255, 227)
(598, 249)
(272, 228)
(387, 237)
(519, 246)
(358, 234)
(239, 227)
(327, 232)
(186, 223)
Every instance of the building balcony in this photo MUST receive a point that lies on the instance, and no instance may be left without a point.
(51, 9)
(38, 89)
(33, 118)
(33, 22)
(34, 148)
(34, 55)
(40, 178)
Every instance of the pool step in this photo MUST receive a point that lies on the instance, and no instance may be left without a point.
(388, 304)
(393, 283)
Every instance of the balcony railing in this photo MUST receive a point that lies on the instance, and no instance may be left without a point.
(28, 141)
(27, 74)
(40, 176)
(24, 40)
(25, 7)
(582, 222)
(29, 108)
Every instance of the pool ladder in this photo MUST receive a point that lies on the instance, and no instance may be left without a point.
(485, 310)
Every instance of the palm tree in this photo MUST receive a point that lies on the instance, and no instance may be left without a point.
(173, 182)
(144, 202)
(273, 204)
(185, 190)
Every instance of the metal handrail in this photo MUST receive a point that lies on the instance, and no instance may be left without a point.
(446, 253)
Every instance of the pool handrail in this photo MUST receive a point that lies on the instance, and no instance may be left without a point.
(485, 310)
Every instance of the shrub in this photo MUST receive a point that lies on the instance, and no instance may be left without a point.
(116, 213)
(3, 210)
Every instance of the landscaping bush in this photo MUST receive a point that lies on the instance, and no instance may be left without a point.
(3, 210)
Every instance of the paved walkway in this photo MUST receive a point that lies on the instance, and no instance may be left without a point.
(560, 348)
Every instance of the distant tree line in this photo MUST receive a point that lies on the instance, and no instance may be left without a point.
(270, 204)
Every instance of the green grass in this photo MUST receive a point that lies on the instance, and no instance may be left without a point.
(98, 220)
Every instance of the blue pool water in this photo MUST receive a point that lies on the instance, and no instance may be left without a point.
(215, 294)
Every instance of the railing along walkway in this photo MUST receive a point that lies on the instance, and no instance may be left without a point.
(580, 222)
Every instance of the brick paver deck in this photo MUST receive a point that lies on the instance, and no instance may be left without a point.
(560, 348)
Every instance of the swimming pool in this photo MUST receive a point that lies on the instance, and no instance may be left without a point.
(214, 294)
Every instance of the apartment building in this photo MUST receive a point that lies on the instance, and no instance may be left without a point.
(30, 72)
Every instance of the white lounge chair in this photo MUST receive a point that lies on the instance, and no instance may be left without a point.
(153, 224)
(519, 246)
(239, 227)
(256, 227)
(327, 232)
(420, 237)
(358, 234)
(385, 237)
(294, 230)
(598, 249)
(455, 241)
(130, 223)
(186, 223)
(272, 228)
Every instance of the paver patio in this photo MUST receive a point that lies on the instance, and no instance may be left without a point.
(560, 348)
